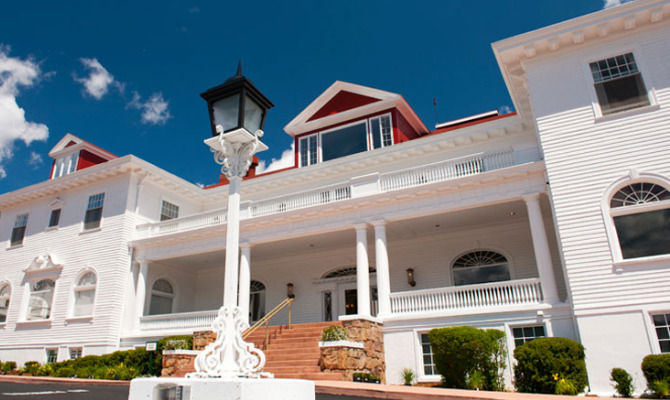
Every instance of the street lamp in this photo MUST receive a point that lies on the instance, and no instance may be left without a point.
(237, 115)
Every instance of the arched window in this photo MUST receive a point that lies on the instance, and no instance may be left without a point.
(344, 271)
(41, 299)
(5, 294)
(84, 295)
(256, 301)
(162, 296)
(480, 266)
(641, 215)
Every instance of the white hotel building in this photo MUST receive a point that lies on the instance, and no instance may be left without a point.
(551, 221)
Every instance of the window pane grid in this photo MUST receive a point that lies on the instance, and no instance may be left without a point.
(21, 221)
(54, 218)
(525, 334)
(613, 68)
(96, 201)
(639, 193)
(428, 361)
(662, 324)
(169, 211)
(387, 137)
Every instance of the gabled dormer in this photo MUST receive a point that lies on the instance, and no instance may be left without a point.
(348, 119)
(72, 154)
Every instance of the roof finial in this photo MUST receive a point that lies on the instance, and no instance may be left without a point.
(239, 68)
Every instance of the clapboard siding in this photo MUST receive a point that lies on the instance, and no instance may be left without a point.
(584, 157)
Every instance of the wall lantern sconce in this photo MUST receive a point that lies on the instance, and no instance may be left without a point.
(289, 291)
(410, 277)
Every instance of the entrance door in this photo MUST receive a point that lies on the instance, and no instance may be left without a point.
(350, 302)
(256, 301)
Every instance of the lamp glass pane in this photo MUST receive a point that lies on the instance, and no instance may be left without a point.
(253, 115)
(226, 112)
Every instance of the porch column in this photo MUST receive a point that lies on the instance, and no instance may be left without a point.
(141, 290)
(382, 258)
(541, 248)
(245, 279)
(362, 270)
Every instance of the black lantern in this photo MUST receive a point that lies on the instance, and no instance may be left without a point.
(236, 104)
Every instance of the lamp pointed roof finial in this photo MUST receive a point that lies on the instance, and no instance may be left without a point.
(239, 68)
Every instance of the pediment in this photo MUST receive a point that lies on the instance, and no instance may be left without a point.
(71, 143)
(43, 263)
(342, 101)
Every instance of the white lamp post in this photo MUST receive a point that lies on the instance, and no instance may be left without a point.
(236, 109)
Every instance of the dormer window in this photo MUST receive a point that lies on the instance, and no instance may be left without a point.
(357, 137)
(65, 165)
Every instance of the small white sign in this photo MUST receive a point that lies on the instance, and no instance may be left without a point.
(150, 346)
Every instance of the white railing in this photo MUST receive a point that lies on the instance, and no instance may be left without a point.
(195, 320)
(506, 293)
(209, 218)
(446, 170)
(300, 200)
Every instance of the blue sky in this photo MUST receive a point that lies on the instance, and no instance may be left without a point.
(127, 75)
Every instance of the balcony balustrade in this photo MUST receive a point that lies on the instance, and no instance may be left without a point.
(468, 297)
(396, 180)
(196, 320)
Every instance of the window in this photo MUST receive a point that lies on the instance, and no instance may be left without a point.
(345, 141)
(94, 211)
(84, 295)
(618, 84)
(380, 130)
(256, 301)
(641, 215)
(662, 324)
(162, 296)
(54, 218)
(52, 355)
(5, 294)
(19, 230)
(524, 334)
(75, 352)
(480, 266)
(41, 298)
(169, 211)
(427, 351)
(308, 150)
(65, 165)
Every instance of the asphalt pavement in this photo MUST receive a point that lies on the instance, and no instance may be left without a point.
(59, 391)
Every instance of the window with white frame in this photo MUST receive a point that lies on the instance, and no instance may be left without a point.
(356, 137)
(162, 296)
(54, 217)
(19, 230)
(169, 210)
(5, 294)
(41, 300)
(524, 334)
(84, 295)
(480, 266)
(52, 355)
(641, 215)
(427, 352)
(94, 211)
(618, 84)
(75, 352)
(65, 165)
(662, 325)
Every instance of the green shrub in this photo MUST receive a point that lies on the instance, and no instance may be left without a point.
(408, 376)
(661, 388)
(565, 387)
(9, 366)
(31, 367)
(83, 373)
(45, 370)
(623, 382)
(656, 368)
(64, 372)
(461, 351)
(334, 333)
(542, 362)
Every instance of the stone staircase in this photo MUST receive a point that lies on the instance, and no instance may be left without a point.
(294, 353)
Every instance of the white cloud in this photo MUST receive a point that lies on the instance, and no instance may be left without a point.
(16, 73)
(35, 159)
(154, 111)
(287, 159)
(614, 3)
(98, 81)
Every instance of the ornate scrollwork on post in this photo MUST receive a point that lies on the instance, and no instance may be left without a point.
(235, 157)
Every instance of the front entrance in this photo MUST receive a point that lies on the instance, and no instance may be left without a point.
(350, 302)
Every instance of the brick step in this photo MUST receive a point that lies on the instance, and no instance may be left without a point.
(292, 370)
(316, 376)
(291, 355)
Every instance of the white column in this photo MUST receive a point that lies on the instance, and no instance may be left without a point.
(245, 279)
(541, 248)
(382, 258)
(232, 243)
(141, 290)
(362, 270)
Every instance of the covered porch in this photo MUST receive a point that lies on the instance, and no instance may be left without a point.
(494, 258)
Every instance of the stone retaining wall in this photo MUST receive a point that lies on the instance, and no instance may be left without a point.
(178, 363)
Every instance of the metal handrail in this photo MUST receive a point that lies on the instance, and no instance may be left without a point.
(266, 319)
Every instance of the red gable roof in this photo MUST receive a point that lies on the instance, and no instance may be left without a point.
(342, 101)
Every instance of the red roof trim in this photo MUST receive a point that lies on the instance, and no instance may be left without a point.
(471, 123)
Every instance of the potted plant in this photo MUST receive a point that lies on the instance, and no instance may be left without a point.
(408, 376)
(373, 379)
(358, 376)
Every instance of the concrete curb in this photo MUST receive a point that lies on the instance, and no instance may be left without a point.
(49, 379)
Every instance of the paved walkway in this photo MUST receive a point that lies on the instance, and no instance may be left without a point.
(339, 388)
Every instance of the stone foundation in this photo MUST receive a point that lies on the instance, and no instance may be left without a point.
(346, 360)
(177, 363)
(202, 338)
